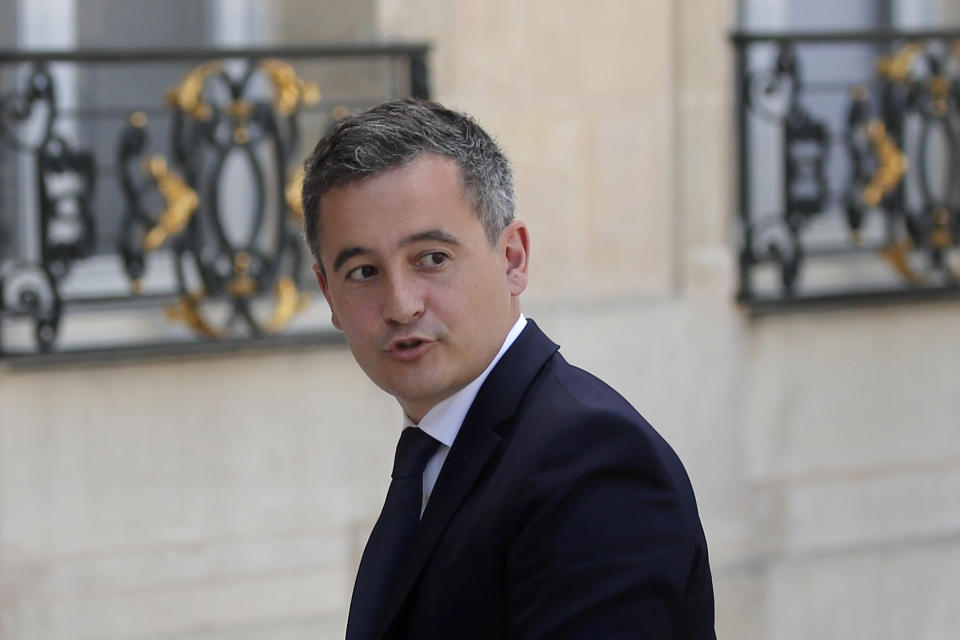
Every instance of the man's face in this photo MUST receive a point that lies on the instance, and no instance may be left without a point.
(423, 299)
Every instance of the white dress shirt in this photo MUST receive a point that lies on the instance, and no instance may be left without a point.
(443, 421)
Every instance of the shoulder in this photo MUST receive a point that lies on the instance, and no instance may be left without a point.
(573, 426)
(598, 498)
(567, 405)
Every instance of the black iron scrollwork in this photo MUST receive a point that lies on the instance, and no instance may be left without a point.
(917, 103)
(219, 118)
(30, 289)
(65, 180)
(775, 96)
(902, 142)
(36, 100)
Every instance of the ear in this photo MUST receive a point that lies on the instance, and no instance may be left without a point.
(515, 248)
(322, 281)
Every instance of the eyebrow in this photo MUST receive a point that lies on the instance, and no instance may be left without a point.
(431, 234)
(346, 254)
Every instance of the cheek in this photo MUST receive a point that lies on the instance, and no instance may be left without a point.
(487, 290)
(467, 303)
(354, 316)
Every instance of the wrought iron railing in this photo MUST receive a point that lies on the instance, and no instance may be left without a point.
(849, 167)
(118, 210)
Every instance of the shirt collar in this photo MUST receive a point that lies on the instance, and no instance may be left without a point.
(442, 422)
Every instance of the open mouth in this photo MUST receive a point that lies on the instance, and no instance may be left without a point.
(409, 347)
(408, 344)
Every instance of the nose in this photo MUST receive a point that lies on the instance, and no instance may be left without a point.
(403, 302)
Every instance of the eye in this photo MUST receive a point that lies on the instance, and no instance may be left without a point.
(433, 259)
(359, 274)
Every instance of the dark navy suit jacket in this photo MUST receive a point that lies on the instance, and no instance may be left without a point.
(559, 513)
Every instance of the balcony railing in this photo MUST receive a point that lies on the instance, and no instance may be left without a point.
(149, 200)
(849, 167)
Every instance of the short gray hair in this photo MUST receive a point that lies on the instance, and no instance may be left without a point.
(395, 134)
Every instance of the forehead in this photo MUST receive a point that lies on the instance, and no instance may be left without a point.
(428, 190)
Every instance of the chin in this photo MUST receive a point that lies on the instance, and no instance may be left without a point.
(422, 395)
(406, 389)
(417, 395)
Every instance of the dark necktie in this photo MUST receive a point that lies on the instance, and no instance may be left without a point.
(391, 536)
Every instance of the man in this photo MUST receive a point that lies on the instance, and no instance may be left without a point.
(528, 499)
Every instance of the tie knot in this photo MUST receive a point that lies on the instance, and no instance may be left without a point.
(413, 451)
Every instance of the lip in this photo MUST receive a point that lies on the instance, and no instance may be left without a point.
(396, 351)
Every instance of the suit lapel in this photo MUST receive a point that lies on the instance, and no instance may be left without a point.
(475, 443)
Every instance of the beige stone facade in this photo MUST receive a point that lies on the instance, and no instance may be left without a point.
(229, 497)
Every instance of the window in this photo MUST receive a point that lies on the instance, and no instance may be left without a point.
(157, 183)
(848, 116)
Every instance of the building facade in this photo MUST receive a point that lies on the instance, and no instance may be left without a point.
(230, 496)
